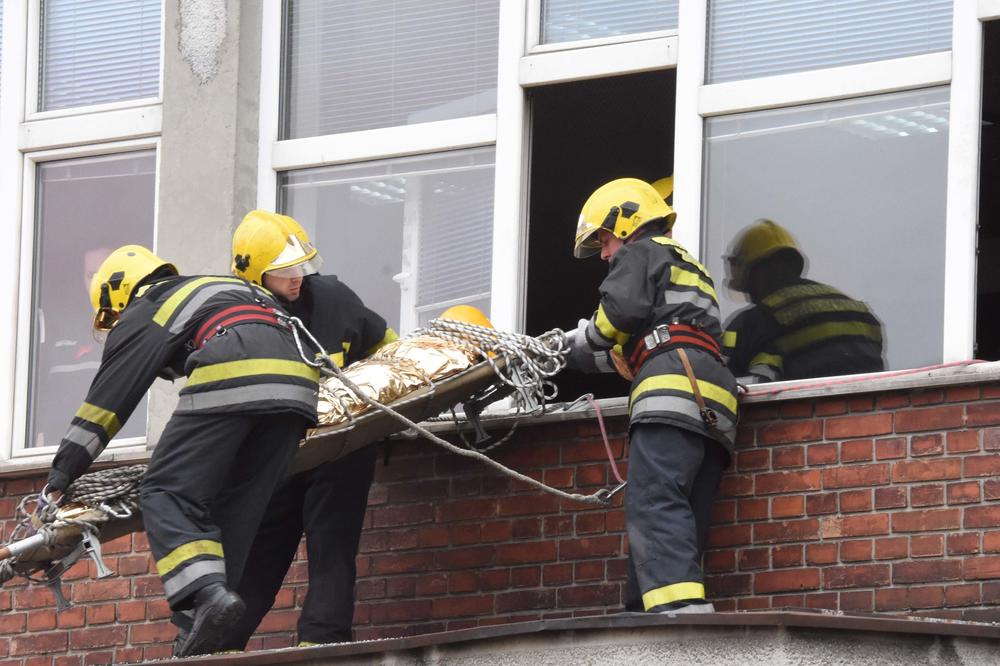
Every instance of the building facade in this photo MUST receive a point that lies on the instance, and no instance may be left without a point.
(438, 153)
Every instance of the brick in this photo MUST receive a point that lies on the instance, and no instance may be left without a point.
(475, 509)
(892, 548)
(928, 545)
(789, 432)
(101, 614)
(588, 571)
(156, 632)
(42, 620)
(46, 643)
(822, 454)
(821, 503)
(857, 601)
(846, 427)
(756, 459)
(961, 393)
(589, 523)
(735, 485)
(929, 495)
(934, 418)
(605, 594)
(982, 516)
(729, 535)
(856, 450)
(556, 574)
(720, 561)
(503, 530)
(893, 400)
(402, 563)
(786, 556)
(991, 438)
(602, 546)
(890, 448)
(991, 542)
(861, 403)
(982, 465)
(926, 571)
(821, 553)
(855, 500)
(449, 607)
(964, 492)
(511, 602)
(786, 482)
(796, 410)
(752, 509)
(455, 558)
(963, 544)
(983, 413)
(856, 551)
(100, 637)
(528, 528)
(788, 456)
(729, 585)
(754, 558)
(856, 475)
(909, 598)
(831, 407)
(964, 441)
(787, 530)
(769, 582)
(906, 471)
(13, 623)
(991, 489)
(397, 516)
(927, 445)
(788, 507)
(723, 511)
(962, 595)
(890, 498)
(101, 590)
(862, 575)
(926, 397)
(853, 526)
(401, 611)
(927, 520)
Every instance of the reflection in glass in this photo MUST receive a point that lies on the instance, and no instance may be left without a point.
(411, 235)
(573, 20)
(796, 328)
(356, 64)
(85, 208)
(860, 185)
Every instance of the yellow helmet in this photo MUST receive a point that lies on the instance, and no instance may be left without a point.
(762, 239)
(665, 188)
(467, 314)
(621, 207)
(114, 282)
(267, 242)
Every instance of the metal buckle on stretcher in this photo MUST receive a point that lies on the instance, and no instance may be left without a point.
(659, 335)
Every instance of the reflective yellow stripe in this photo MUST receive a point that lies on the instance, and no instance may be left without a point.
(729, 339)
(682, 383)
(178, 297)
(390, 336)
(682, 252)
(671, 593)
(812, 334)
(98, 416)
(337, 358)
(250, 367)
(683, 278)
(782, 296)
(182, 554)
(817, 306)
(772, 360)
(608, 329)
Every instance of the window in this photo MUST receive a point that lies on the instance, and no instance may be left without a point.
(574, 20)
(988, 269)
(752, 38)
(85, 208)
(357, 65)
(411, 235)
(98, 51)
(861, 186)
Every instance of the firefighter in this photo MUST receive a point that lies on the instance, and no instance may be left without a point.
(658, 324)
(796, 328)
(327, 503)
(248, 399)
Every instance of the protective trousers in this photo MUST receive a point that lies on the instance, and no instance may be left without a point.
(328, 504)
(673, 475)
(206, 489)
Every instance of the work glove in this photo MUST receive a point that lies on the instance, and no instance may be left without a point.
(581, 356)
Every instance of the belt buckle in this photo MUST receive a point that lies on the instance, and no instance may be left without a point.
(659, 335)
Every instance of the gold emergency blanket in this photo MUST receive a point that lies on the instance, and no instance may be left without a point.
(391, 373)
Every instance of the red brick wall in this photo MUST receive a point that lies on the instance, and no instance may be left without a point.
(887, 503)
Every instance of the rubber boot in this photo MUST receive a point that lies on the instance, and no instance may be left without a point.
(216, 607)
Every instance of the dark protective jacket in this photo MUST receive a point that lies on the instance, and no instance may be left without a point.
(249, 368)
(653, 280)
(807, 329)
(341, 322)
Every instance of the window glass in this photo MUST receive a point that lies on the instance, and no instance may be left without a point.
(411, 236)
(572, 20)
(85, 208)
(98, 51)
(859, 187)
(356, 64)
(1, 44)
(751, 38)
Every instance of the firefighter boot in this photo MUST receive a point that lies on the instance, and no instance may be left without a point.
(216, 608)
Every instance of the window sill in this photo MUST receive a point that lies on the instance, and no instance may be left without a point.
(28, 466)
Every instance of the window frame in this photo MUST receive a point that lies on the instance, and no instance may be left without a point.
(533, 34)
(27, 138)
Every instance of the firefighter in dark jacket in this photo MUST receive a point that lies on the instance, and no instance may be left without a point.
(327, 503)
(248, 399)
(796, 328)
(658, 323)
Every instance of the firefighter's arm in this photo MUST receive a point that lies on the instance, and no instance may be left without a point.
(133, 356)
(367, 328)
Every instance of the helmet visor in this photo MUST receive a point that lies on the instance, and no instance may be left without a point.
(588, 242)
(104, 320)
(298, 270)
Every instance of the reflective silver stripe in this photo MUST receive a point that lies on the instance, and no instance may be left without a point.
(74, 367)
(91, 442)
(695, 298)
(596, 338)
(192, 572)
(198, 299)
(764, 371)
(603, 363)
(244, 394)
(683, 406)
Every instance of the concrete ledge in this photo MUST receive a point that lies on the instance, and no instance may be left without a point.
(784, 637)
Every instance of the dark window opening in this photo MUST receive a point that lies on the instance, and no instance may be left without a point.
(988, 270)
(584, 134)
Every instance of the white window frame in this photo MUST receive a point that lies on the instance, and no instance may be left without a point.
(533, 35)
(28, 138)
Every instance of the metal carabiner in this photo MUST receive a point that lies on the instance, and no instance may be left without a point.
(605, 496)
